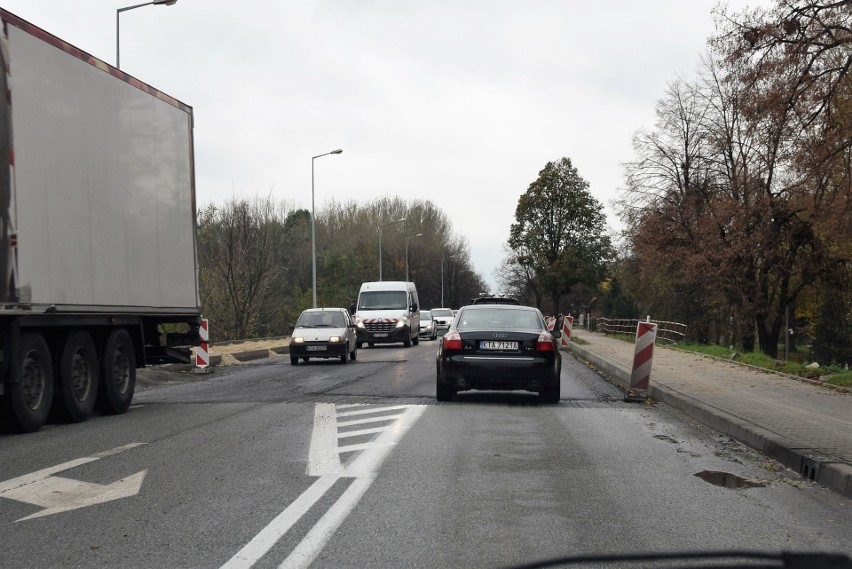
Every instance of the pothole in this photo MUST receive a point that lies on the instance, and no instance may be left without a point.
(728, 480)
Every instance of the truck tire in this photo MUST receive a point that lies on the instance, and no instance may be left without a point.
(118, 373)
(77, 381)
(26, 404)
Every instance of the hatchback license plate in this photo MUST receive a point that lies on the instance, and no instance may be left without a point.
(502, 346)
(316, 348)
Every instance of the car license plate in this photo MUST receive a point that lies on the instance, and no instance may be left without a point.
(380, 335)
(501, 346)
(316, 348)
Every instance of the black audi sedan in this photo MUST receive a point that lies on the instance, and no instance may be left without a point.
(500, 347)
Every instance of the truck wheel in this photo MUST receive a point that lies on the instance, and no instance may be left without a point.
(118, 373)
(77, 384)
(407, 342)
(26, 404)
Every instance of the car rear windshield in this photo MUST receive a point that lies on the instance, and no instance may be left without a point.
(383, 300)
(425, 315)
(442, 312)
(497, 319)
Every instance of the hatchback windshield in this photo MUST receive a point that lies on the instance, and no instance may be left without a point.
(321, 320)
(383, 300)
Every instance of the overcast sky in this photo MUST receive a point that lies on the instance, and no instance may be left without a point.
(461, 102)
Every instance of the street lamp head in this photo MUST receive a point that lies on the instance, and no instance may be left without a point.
(338, 151)
(166, 2)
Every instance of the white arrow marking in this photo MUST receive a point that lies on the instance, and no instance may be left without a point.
(57, 494)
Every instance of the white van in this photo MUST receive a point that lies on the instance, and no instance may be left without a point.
(387, 312)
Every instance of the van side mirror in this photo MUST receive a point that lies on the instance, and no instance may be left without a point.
(352, 310)
(414, 307)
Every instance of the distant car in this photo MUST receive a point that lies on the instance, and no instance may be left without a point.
(427, 325)
(324, 333)
(493, 299)
(502, 347)
(443, 317)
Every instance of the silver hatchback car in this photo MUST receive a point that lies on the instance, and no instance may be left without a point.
(323, 333)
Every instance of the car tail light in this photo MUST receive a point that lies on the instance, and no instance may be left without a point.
(544, 343)
(452, 341)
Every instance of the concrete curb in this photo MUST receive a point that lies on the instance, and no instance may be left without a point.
(826, 470)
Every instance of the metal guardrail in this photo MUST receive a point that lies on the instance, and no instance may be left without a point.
(673, 332)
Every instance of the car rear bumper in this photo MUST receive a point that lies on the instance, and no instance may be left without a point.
(498, 373)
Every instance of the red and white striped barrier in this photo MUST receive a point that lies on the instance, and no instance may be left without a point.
(202, 356)
(551, 322)
(646, 334)
(567, 329)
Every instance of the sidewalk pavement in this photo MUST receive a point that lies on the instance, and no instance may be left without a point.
(805, 427)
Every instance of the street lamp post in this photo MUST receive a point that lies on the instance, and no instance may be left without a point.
(314, 227)
(125, 9)
(380, 243)
(407, 239)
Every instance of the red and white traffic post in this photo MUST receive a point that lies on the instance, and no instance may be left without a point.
(202, 355)
(640, 376)
(567, 330)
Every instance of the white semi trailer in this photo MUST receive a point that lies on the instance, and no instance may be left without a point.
(97, 230)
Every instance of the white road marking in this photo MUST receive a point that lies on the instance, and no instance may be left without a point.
(277, 528)
(324, 461)
(56, 494)
(347, 434)
(384, 419)
(323, 457)
(313, 543)
(360, 446)
(371, 411)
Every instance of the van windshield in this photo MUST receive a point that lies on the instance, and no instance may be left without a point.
(383, 300)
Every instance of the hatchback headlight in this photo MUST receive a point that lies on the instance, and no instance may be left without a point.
(335, 339)
(298, 340)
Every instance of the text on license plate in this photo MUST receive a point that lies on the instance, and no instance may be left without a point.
(380, 335)
(492, 345)
(316, 348)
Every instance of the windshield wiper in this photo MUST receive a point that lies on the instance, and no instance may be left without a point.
(735, 559)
